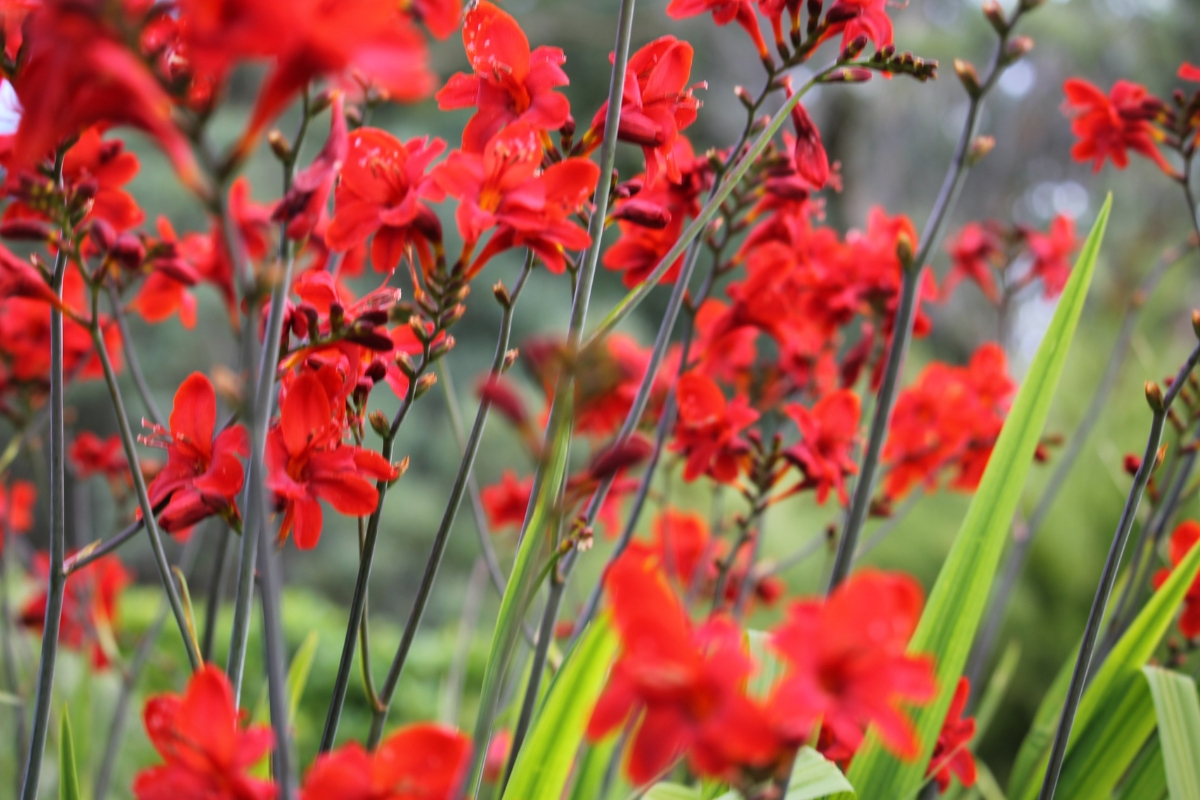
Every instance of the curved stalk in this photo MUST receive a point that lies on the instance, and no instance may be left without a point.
(442, 537)
(131, 358)
(1108, 577)
(110, 545)
(902, 328)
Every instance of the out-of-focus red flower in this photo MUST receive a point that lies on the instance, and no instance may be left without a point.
(497, 755)
(506, 188)
(12, 18)
(89, 605)
(656, 105)
(686, 547)
(1183, 539)
(682, 685)
(952, 753)
(948, 419)
(847, 666)
(207, 753)
(1108, 127)
(853, 18)
(975, 253)
(90, 455)
(307, 461)
(16, 508)
(812, 162)
(78, 74)
(304, 204)
(708, 429)
(204, 472)
(510, 83)
(724, 12)
(383, 192)
(418, 762)
(506, 502)
(827, 435)
(1189, 72)
(1051, 254)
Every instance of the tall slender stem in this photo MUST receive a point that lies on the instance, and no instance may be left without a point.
(212, 603)
(902, 327)
(58, 540)
(275, 649)
(442, 537)
(110, 545)
(9, 654)
(131, 358)
(1108, 577)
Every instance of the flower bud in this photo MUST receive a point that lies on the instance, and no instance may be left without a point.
(1154, 397)
(452, 316)
(967, 76)
(102, 235)
(404, 364)
(418, 328)
(643, 213)
(853, 48)
(1196, 323)
(743, 95)
(26, 230)
(86, 190)
(498, 394)
(995, 15)
(510, 358)
(377, 371)
(128, 250)
(904, 251)
(177, 270)
(279, 145)
(1131, 463)
(1017, 48)
(842, 12)
(980, 147)
(379, 422)
(337, 316)
(621, 455)
(424, 384)
(321, 101)
(500, 292)
(442, 346)
(849, 75)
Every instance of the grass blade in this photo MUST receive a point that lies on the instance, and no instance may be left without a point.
(1178, 709)
(68, 778)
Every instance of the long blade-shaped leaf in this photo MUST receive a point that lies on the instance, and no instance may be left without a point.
(68, 778)
(1146, 779)
(1178, 709)
(546, 759)
(956, 603)
(812, 777)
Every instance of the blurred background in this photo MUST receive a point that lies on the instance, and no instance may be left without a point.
(893, 140)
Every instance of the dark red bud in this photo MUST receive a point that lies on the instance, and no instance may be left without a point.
(178, 270)
(128, 250)
(620, 456)
(644, 213)
(26, 230)
(102, 235)
(500, 395)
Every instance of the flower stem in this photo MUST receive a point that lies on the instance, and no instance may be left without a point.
(275, 649)
(131, 358)
(442, 537)
(212, 603)
(82, 559)
(902, 327)
(58, 537)
(1108, 577)
(9, 653)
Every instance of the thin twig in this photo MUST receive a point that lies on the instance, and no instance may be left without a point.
(131, 357)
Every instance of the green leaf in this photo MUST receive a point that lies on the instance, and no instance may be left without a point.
(546, 759)
(1178, 710)
(671, 791)
(956, 604)
(593, 766)
(813, 776)
(299, 671)
(1146, 780)
(997, 686)
(1116, 682)
(68, 778)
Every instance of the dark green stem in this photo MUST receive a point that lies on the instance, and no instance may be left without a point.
(1108, 577)
(131, 358)
(212, 603)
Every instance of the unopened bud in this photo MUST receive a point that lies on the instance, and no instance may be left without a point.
(102, 235)
(743, 95)
(418, 328)
(1160, 456)
(853, 48)
(967, 76)
(85, 190)
(1017, 48)
(510, 358)
(442, 346)
(452, 316)
(995, 15)
(320, 101)
(337, 316)
(980, 147)
(1196, 323)
(425, 383)
(500, 292)
(904, 251)
(1154, 397)
(379, 422)
(849, 75)
(1131, 463)
(26, 230)
(401, 467)
(279, 145)
(128, 250)
(405, 365)
(644, 213)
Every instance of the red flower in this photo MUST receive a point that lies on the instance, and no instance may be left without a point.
(1051, 254)
(827, 436)
(952, 754)
(975, 253)
(307, 461)
(90, 455)
(1109, 127)
(304, 204)
(207, 755)
(418, 762)
(1189, 72)
(708, 427)
(204, 473)
(510, 84)
(90, 601)
(857, 17)
(724, 12)
(681, 685)
(847, 666)
(656, 104)
(506, 502)
(506, 188)
(1183, 539)
(16, 508)
(812, 162)
(78, 74)
(382, 192)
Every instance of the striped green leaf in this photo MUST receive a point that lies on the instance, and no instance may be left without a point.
(68, 777)
(1177, 707)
